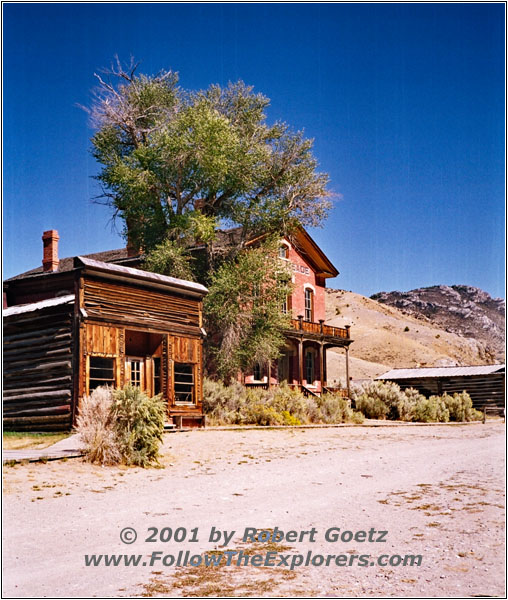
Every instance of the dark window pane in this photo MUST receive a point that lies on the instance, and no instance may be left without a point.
(102, 372)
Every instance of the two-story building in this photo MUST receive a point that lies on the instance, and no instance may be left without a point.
(74, 324)
(303, 361)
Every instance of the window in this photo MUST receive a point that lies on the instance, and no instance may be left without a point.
(257, 372)
(283, 251)
(309, 305)
(184, 382)
(309, 367)
(102, 372)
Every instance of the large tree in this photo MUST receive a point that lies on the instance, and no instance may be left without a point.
(178, 164)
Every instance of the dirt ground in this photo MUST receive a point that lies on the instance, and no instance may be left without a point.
(437, 492)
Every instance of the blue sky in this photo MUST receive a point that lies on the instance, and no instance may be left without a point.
(405, 103)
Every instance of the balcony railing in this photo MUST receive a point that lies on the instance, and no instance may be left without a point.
(320, 328)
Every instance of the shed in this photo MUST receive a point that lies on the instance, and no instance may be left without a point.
(484, 383)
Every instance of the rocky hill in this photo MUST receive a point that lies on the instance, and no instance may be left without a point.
(461, 309)
(387, 336)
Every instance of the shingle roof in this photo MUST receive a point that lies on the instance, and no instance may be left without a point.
(395, 374)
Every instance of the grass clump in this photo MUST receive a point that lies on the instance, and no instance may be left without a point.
(121, 426)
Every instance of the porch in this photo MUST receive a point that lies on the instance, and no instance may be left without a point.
(303, 362)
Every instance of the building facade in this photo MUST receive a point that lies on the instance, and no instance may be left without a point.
(82, 323)
(303, 360)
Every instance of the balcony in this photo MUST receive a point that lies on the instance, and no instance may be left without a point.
(321, 329)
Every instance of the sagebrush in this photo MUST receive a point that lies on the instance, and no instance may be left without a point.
(282, 405)
(385, 400)
(121, 426)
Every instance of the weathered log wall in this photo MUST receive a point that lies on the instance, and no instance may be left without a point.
(37, 370)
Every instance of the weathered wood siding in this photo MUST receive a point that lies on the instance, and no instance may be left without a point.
(133, 304)
(38, 370)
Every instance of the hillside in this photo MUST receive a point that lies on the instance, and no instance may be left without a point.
(385, 337)
(461, 309)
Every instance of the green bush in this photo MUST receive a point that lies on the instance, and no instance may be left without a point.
(431, 410)
(333, 408)
(139, 425)
(460, 407)
(372, 408)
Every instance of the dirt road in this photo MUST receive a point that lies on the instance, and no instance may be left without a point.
(437, 492)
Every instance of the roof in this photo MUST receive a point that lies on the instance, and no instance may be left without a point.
(120, 272)
(301, 241)
(224, 238)
(25, 308)
(436, 372)
(67, 264)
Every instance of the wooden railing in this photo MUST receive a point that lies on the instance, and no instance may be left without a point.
(320, 328)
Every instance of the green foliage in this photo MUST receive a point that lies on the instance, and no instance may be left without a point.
(372, 408)
(431, 410)
(385, 400)
(379, 400)
(460, 407)
(139, 424)
(281, 405)
(243, 309)
(169, 258)
(166, 152)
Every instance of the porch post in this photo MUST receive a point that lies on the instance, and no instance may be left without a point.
(347, 373)
(300, 361)
(321, 365)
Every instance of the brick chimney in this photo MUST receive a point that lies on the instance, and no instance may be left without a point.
(50, 255)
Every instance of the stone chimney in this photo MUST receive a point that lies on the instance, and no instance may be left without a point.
(50, 255)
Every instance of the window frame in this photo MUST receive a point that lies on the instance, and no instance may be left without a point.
(309, 305)
(105, 381)
(191, 384)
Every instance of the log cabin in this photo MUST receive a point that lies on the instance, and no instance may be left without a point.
(79, 323)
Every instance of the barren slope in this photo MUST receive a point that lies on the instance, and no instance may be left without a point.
(384, 338)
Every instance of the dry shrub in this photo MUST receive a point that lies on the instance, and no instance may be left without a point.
(96, 427)
(122, 426)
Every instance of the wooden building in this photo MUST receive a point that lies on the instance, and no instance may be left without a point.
(80, 323)
(303, 361)
(485, 383)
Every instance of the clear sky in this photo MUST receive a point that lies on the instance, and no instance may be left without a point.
(405, 103)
